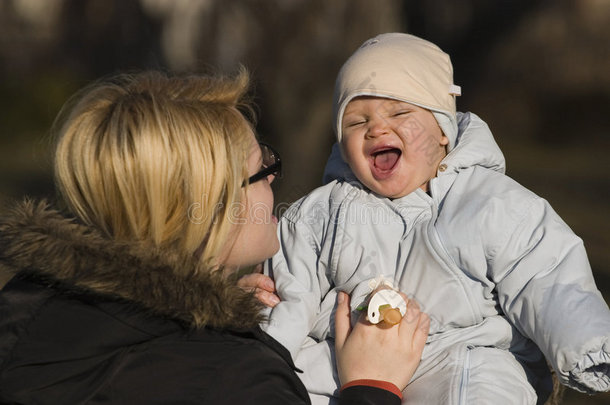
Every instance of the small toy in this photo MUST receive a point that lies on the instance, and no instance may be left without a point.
(386, 305)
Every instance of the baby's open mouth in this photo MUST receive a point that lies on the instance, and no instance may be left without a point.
(385, 159)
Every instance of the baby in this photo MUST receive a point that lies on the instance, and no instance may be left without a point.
(423, 203)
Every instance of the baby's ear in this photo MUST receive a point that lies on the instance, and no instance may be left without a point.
(444, 141)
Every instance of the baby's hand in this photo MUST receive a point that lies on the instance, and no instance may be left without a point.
(262, 285)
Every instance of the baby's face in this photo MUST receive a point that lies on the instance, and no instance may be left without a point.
(392, 147)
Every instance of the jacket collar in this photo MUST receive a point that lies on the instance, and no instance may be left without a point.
(475, 146)
(36, 240)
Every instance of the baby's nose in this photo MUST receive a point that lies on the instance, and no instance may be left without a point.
(378, 126)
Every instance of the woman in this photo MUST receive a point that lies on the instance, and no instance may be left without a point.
(129, 297)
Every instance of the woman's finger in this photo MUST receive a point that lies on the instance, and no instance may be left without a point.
(342, 320)
(267, 298)
(256, 280)
(410, 320)
(414, 326)
(421, 332)
(262, 286)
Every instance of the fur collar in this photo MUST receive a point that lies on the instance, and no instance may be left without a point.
(39, 241)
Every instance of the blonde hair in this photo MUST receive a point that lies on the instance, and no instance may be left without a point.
(157, 159)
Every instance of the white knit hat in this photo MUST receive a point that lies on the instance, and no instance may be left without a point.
(401, 67)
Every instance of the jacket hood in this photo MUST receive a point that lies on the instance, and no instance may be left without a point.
(38, 241)
(475, 146)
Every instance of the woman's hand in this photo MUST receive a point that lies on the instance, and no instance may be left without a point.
(390, 353)
(262, 285)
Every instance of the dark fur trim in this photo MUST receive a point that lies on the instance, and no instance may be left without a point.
(37, 240)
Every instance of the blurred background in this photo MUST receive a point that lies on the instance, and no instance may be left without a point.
(538, 71)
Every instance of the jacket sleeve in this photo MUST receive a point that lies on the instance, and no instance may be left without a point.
(295, 270)
(365, 395)
(271, 382)
(545, 286)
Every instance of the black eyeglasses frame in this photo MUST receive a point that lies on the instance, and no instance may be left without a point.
(273, 169)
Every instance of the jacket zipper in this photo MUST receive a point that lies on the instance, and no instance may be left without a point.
(463, 397)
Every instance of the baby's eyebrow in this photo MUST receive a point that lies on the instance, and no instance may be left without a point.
(394, 103)
(352, 112)
(349, 119)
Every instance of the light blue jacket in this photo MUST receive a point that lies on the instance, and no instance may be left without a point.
(502, 277)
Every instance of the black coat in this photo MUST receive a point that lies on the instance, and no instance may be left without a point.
(59, 348)
(89, 320)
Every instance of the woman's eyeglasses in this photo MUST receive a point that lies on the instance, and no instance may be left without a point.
(272, 164)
